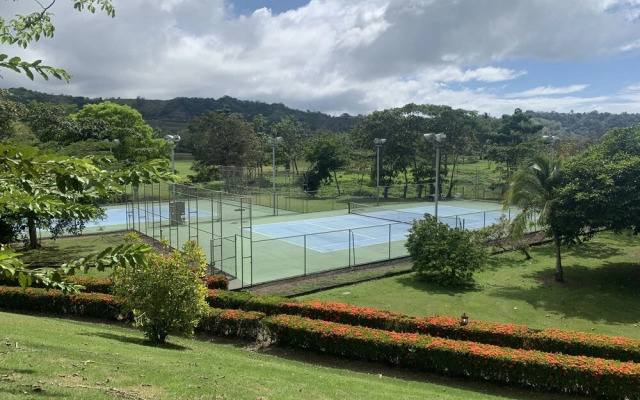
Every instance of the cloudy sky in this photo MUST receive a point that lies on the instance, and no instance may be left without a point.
(356, 56)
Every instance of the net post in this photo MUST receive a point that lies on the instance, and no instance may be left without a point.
(348, 207)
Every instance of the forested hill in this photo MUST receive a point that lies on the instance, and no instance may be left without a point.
(175, 114)
(589, 125)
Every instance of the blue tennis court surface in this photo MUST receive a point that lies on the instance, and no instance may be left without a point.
(118, 216)
(369, 228)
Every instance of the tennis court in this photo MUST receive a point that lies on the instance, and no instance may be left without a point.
(369, 225)
(253, 245)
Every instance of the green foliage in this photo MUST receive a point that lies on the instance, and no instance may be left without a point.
(504, 235)
(327, 154)
(447, 255)
(600, 186)
(222, 139)
(535, 369)
(124, 127)
(514, 141)
(167, 294)
(24, 29)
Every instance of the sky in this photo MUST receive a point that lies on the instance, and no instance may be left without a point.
(355, 56)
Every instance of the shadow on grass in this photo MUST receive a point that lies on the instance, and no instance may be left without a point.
(27, 392)
(607, 293)
(417, 283)
(372, 368)
(138, 341)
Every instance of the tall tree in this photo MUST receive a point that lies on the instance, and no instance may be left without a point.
(43, 189)
(601, 187)
(534, 190)
(223, 138)
(515, 140)
(398, 153)
(124, 125)
(25, 29)
(294, 135)
(328, 154)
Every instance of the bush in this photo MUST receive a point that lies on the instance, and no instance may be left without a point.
(167, 295)
(217, 282)
(535, 369)
(446, 255)
(509, 335)
(95, 305)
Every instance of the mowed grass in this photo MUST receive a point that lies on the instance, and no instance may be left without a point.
(43, 357)
(68, 248)
(601, 293)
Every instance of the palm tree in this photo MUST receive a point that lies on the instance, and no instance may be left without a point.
(532, 189)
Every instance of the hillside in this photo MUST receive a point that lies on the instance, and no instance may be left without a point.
(174, 115)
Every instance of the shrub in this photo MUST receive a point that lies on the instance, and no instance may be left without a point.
(509, 335)
(91, 285)
(447, 255)
(95, 305)
(536, 369)
(167, 295)
(244, 324)
(217, 282)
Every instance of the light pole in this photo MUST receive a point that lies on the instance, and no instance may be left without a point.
(552, 140)
(274, 142)
(172, 140)
(438, 140)
(378, 142)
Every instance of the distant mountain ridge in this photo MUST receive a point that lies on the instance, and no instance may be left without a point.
(174, 115)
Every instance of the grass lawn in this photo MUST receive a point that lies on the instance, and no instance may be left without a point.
(45, 357)
(601, 294)
(67, 248)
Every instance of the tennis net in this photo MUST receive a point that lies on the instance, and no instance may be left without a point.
(403, 216)
(387, 215)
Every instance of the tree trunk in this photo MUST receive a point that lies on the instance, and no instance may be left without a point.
(558, 274)
(33, 233)
(335, 176)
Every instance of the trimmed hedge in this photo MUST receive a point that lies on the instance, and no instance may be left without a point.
(96, 305)
(535, 369)
(508, 335)
(92, 285)
(105, 285)
(217, 282)
(244, 324)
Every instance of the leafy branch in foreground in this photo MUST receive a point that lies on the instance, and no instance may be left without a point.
(24, 29)
(123, 256)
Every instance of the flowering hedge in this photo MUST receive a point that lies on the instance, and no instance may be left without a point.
(244, 324)
(509, 335)
(539, 370)
(96, 305)
(217, 282)
(92, 285)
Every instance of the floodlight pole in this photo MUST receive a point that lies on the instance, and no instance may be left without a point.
(274, 142)
(172, 140)
(438, 139)
(552, 140)
(378, 142)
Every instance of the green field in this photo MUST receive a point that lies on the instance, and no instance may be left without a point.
(46, 357)
(601, 294)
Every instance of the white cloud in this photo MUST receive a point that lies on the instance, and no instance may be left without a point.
(337, 56)
(547, 91)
